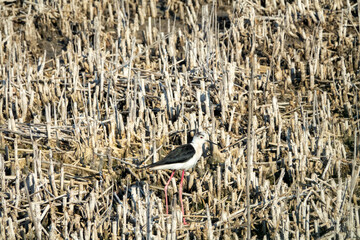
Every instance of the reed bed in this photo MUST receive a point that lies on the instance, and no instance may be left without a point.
(92, 89)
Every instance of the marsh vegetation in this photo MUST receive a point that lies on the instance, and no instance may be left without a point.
(91, 89)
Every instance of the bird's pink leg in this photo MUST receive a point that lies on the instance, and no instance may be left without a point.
(165, 190)
(180, 196)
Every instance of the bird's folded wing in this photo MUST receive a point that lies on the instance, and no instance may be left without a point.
(178, 155)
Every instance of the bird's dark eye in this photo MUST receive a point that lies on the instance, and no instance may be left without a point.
(201, 137)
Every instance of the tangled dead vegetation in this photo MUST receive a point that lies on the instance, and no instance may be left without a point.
(91, 89)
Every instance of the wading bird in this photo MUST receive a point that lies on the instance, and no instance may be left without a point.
(181, 158)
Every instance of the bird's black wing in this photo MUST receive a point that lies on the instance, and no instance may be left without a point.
(178, 155)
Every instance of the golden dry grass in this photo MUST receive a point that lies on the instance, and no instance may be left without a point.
(89, 90)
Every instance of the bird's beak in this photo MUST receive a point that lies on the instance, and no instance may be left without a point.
(212, 142)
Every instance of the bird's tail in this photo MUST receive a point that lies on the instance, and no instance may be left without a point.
(143, 166)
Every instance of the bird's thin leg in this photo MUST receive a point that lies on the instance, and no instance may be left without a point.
(180, 196)
(165, 190)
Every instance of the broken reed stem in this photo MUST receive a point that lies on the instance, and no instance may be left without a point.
(250, 137)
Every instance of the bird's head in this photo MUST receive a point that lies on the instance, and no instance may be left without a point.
(200, 138)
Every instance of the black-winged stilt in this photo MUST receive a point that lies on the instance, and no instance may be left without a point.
(183, 157)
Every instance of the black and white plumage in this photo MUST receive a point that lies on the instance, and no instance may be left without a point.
(183, 157)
